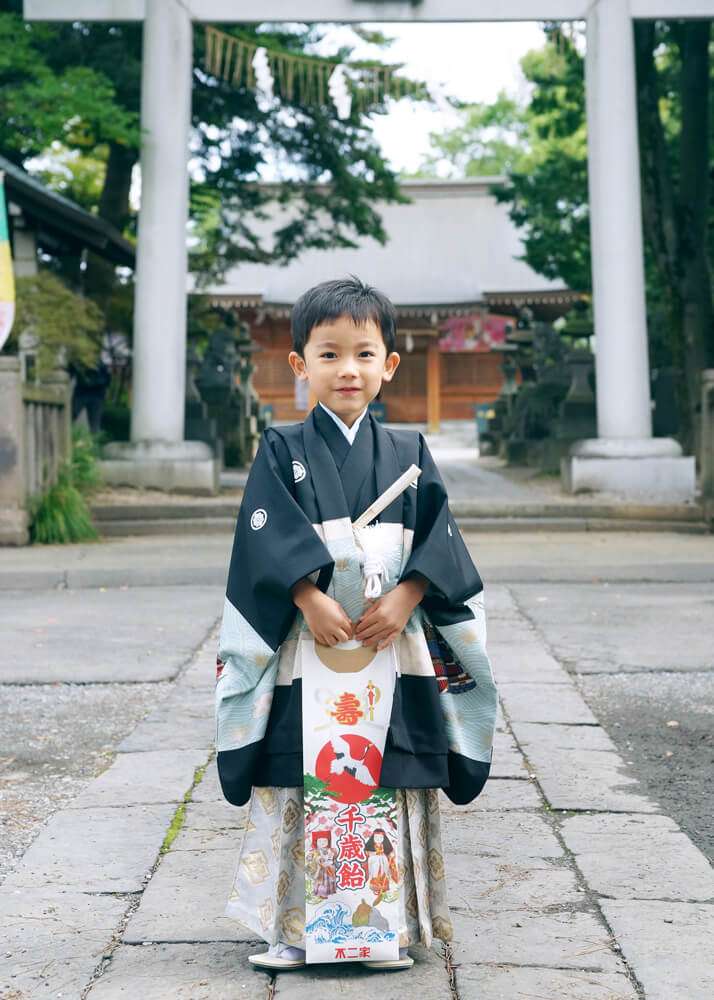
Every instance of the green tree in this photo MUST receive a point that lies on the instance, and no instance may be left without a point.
(68, 326)
(547, 189)
(675, 75)
(488, 143)
(79, 84)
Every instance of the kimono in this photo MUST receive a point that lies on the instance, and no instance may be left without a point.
(306, 487)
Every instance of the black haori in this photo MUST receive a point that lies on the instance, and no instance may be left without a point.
(307, 484)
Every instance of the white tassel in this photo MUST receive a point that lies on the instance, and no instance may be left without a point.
(437, 93)
(375, 571)
(372, 559)
(339, 91)
(263, 79)
(369, 539)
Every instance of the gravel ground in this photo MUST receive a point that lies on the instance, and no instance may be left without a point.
(663, 724)
(53, 739)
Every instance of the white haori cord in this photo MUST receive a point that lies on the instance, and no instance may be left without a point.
(371, 541)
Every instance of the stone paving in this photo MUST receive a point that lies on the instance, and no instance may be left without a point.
(566, 880)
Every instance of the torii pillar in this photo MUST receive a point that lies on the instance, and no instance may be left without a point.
(624, 458)
(158, 456)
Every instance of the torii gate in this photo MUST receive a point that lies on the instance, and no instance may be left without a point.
(624, 457)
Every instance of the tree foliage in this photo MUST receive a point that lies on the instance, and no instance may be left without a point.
(489, 142)
(66, 324)
(547, 185)
(79, 84)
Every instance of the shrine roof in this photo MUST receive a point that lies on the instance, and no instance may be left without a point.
(62, 220)
(451, 248)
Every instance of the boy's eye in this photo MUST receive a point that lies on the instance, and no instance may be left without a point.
(326, 354)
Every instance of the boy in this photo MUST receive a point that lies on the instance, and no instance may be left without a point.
(296, 613)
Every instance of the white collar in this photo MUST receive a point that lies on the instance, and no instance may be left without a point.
(349, 432)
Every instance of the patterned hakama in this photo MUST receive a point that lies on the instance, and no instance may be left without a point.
(268, 891)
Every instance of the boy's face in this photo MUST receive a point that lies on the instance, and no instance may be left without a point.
(345, 365)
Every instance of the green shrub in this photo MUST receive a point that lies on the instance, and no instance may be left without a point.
(61, 515)
(86, 475)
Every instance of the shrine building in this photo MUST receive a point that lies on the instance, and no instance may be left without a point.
(451, 267)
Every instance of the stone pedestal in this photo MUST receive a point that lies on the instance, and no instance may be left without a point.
(183, 466)
(14, 521)
(651, 467)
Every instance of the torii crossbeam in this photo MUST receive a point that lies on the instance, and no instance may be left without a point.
(625, 457)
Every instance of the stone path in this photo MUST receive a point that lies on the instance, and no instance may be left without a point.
(566, 881)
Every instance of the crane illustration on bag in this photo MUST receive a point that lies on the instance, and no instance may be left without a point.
(344, 761)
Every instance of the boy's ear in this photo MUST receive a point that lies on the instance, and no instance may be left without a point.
(297, 364)
(390, 366)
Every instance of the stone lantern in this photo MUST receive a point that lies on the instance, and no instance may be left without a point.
(504, 404)
(249, 425)
(577, 418)
(521, 338)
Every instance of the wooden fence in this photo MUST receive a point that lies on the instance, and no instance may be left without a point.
(47, 431)
(35, 438)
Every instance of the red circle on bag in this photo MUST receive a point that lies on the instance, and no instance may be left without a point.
(352, 774)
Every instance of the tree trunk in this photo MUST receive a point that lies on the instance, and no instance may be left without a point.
(114, 207)
(659, 212)
(694, 266)
(676, 221)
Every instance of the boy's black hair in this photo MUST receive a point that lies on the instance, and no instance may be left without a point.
(342, 297)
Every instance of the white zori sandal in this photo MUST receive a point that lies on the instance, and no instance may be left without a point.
(279, 956)
(403, 962)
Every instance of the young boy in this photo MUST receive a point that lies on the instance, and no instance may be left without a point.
(296, 613)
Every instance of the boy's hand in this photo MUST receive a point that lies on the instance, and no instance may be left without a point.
(324, 616)
(384, 620)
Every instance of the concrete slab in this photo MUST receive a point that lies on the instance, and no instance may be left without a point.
(202, 669)
(515, 661)
(488, 982)
(510, 631)
(135, 778)
(611, 628)
(427, 979)
(667, 945)
(489, 889)
(507, 759)
(95, 850)
(662, 725)
(89, 636)
(514, 836)
(556, 738)
(569, 940)
(209, 840)
(214, 816)
(559, 703)
(501, 793)
(53, 939)
(209, 788)
(186, 898)
(580, 778)
(499, 602)
(182, 972)
(502, 558)
(638, 857)
(193, 732)
(186, 701)
(589, 779)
